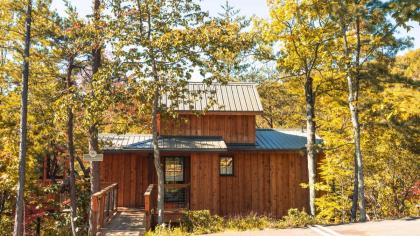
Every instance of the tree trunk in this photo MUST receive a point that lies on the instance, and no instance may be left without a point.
(359, 161)
(82, 166)
(355, 192)
(20, 203)
(353, 88)
(310, 147)
(70, 147)
(93, 129)
(94, 172)
(157, 162)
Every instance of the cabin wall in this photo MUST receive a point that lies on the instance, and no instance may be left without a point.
(266, 183)
(132, 173)
(205, 182)
(233, 128)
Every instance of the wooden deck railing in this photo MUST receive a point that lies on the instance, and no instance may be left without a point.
(150, 203)
(104, 206)
(150, 199)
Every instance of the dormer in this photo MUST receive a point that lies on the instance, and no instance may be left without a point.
(224, 110)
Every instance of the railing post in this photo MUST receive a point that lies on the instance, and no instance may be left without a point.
(94, 214)
(148, 206)
(101, 220)
(116, 198)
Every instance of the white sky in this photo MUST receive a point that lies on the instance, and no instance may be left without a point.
(247, 7)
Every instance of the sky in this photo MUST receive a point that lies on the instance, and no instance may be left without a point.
(247, 7)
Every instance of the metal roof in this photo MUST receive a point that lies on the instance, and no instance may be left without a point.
(143, 142)
(230, 97)
(266, 140)
(276, 140)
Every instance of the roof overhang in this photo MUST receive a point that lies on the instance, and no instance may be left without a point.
(143, 143)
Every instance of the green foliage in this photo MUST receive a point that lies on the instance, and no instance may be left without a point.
(167, 231)
(202, 222)
(295, 218)
(248, 222)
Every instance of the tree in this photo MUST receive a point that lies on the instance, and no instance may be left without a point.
(233, 58)
(303, 31)
(20, 204)
(157, 46)
(42, 91)
(93, 128)
(366, 33)
(71, 47)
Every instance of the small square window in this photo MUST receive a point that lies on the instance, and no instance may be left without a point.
(226, 166)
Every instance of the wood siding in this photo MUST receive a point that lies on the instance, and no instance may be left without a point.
(233, 128)
(205, 182)
(132, 173)
(266, 183)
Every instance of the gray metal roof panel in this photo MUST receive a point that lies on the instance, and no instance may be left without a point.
(230, 97)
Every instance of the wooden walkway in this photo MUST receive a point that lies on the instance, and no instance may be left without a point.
(127, 222)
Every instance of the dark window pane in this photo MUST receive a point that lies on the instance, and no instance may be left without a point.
(226, 165)
(174, 170)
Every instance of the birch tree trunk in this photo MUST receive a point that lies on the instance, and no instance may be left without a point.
(353, 85)
(355, 193)
(93, 129)
(20, 203)
(157, 162)
(310, 147)
(359, 161)
(70, 147)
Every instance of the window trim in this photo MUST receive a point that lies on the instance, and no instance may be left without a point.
(233, 165)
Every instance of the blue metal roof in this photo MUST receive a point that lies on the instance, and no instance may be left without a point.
(276, 140)
(143, 142)
(266, 140)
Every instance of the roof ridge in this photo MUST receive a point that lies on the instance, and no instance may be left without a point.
(228, 83)
(125, 134)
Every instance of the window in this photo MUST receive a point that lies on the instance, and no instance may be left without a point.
(174, 170)
(226, 166)
(174, 174)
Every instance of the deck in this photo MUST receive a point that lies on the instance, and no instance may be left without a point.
(127, 222)
(109, 219)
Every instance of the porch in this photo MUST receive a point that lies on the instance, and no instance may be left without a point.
(109, 219)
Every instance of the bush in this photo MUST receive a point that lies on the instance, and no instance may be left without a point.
(163, 230)
(248, 222)
(202, 222)
(295, 218)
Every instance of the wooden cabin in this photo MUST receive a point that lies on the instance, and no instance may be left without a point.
(217, 161)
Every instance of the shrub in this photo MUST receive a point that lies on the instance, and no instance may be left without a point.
(163, 230)
(295, 218)
(202, 222)
(249, 222)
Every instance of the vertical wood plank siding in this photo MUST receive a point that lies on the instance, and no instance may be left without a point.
(265, 183)
(233, 128)
(205, 182)
(131, 172)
